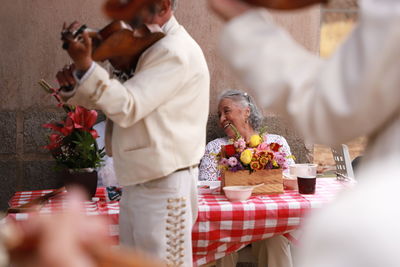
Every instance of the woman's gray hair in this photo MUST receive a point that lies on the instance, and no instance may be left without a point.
(245, 100)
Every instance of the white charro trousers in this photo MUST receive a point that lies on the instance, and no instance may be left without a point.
(157, 216)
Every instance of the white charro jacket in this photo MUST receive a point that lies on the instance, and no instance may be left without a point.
(160, 114)
(354, 93)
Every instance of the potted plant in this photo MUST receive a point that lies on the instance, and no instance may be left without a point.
(72, 143)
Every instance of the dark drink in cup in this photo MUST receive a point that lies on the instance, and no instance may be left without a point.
(306, 184)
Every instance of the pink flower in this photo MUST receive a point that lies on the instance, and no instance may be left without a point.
(223, 162)
(263, 146)
(280, 159)
(240, 144)
(232, 161)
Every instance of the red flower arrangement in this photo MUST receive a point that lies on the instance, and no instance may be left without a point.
(73, 140)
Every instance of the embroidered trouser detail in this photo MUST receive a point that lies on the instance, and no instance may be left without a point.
(175, 227)
(157, 217)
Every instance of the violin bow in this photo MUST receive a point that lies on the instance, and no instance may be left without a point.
(54, 92)
(37, 203)
(116, 9)
(285, 4)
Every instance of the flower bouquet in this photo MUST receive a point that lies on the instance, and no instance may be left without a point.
(72, 143)
(253, 163)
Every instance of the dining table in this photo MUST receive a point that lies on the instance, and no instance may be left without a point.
(222, 226)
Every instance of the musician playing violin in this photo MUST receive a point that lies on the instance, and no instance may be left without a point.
(158, 134)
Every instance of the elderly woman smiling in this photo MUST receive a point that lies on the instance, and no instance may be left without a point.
(237, 109)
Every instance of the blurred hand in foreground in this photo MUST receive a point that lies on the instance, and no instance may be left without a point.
(63, 239)
(68, 239)
(228, 9)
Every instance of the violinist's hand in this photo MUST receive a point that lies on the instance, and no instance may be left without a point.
(228, 9)
(63, 239)
(65, 78)
(80, 48)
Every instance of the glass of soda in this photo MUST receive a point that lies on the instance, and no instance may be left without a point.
(306, 184)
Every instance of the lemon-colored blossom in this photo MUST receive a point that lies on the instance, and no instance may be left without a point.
(255, 140)
(246, 156)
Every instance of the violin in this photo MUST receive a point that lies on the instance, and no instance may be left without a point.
(119, 43)
(127, 10)
(285, 4)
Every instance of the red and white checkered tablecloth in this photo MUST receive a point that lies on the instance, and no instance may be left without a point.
(222, 226)
(102, 207)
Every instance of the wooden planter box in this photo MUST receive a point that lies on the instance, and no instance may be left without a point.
(272, 179)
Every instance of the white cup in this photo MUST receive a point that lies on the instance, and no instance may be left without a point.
(306, 169)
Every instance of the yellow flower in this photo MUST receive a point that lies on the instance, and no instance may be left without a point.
(255, 140)
(246, 156)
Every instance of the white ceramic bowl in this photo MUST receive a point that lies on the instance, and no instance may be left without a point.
(237, 193)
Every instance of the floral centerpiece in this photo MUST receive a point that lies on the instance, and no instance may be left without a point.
(253, 162)
(72, 142)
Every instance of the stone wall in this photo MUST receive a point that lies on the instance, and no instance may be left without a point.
(30, 50)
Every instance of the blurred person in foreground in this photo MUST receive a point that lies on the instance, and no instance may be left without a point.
(68, 238)
(237, 110)
(354, 93)
(158, 136)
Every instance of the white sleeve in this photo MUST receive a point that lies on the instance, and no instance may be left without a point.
(162, 73)
(208, 169)
(286, 149)
(82, 76)
(79, 77)
(380, 7)
(330, 101)
(274, 138)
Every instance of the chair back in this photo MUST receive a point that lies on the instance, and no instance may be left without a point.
(341, 155)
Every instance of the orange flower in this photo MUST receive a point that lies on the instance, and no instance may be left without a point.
(263, 161)
(255, 165)
(270, 155)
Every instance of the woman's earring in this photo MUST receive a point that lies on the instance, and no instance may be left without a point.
(246, 120)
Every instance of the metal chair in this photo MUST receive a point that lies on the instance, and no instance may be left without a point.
(341, 155)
